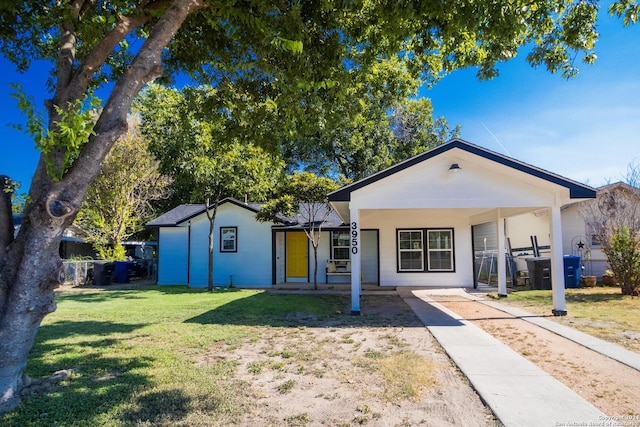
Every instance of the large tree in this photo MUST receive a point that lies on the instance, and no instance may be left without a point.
(119, 200)
(291, 46)
(199, 147)
(368, 126)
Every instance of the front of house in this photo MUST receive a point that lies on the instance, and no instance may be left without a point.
(410, 225)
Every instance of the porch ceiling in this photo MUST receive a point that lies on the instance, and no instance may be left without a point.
(475, 216)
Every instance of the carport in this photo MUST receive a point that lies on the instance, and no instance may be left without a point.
(425, 207)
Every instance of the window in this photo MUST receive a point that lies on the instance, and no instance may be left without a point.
(228, 239)
(437, 253)
(440, 250)
(340, 244)
(410, 255)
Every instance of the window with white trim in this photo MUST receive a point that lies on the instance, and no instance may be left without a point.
(410, 252)
(228, 239)
(340, 244)
(440, 250)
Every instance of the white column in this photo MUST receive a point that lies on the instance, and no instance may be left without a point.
(502, 265)
(356, 249)
(557, 263)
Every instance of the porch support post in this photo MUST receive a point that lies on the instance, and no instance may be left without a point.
(354, 230)
(502, 265)
(557, 266)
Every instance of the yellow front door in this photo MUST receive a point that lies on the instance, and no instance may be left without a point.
(297, 255)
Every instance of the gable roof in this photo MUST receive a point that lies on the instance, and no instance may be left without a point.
(619, 186)
(332, 220)
(576, 189)
(183, 213)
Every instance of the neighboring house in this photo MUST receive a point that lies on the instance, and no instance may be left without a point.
(577, 237)
(410, 225)
(72, 244)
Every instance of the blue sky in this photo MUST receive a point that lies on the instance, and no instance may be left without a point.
(586, 129)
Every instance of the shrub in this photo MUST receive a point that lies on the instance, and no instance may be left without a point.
(623, 253)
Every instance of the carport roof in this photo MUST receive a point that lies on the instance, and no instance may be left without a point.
(576, 189)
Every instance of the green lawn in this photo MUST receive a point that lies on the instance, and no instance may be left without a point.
(132, 353)
(601, 311)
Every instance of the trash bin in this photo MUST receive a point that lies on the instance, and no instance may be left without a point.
(539, 272)
(102, 273)
(571, 271)
(121, 271)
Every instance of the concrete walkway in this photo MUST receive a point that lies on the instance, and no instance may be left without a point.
(518, 392)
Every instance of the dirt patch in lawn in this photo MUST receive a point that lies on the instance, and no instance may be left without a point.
(380, 369)
(611, 386)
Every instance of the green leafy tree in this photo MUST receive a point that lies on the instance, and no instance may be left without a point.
(302, 199)
(196, 148)
(288, 49)
(415, 130)
(368, 127)
(119, 200)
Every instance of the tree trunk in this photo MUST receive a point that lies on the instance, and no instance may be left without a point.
(211, 216)
(30, 266)
(210, 262)
(315, 266)
(33, 269)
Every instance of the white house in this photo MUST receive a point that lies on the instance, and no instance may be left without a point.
(410, 225)
(426, 208)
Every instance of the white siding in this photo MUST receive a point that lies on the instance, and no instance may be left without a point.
(369, 256)
(172, 255)
(573, 230)
(480, 184)
(280, 257)
(388, 221)
(324, 250)
(485, 237)
(520, 228)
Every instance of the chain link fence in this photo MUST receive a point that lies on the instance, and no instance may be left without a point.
(77, 273)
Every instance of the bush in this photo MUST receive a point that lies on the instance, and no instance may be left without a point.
(623, 253)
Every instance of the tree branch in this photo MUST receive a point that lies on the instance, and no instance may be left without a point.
(112, 122)
(67, 48)
(101, 51)
(6, 215)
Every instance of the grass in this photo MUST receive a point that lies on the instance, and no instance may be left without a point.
(132, 353)
(165, 356)
(601, 311)
(406, 375)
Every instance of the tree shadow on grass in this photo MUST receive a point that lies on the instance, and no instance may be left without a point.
(313, 310)
(95, 381)
(595, 297)
(73, 344)
(94, 297)
(572, 296)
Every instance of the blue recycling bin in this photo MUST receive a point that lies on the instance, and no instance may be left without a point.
(571, 271)
(121, 271)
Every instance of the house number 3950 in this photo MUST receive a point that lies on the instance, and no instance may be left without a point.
(354, 237)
